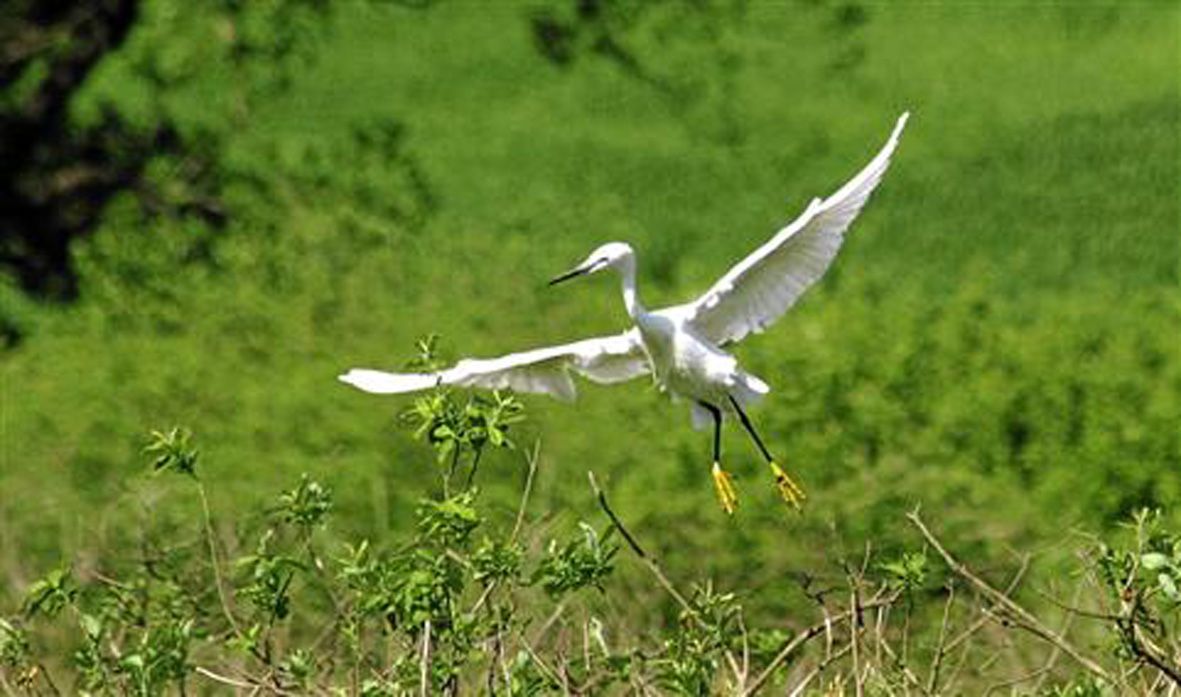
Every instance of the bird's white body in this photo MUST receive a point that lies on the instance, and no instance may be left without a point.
(681, 346)
(687, 365)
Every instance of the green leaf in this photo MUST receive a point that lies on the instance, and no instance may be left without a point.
(1154, 560)
(92, 625)
(1169, 587)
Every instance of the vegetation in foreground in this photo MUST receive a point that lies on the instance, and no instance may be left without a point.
(997, 341)
(464, 601)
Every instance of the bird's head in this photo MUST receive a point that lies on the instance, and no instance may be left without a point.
(610, 255)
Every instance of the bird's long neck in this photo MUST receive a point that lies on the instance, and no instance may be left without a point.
(627, 277)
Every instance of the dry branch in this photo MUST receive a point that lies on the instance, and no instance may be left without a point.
(1019, 615)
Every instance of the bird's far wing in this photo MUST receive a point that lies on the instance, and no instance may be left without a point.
(545, 371)
(764, 285)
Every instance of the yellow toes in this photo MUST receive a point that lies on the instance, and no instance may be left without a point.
(788, 489)
(727, 496)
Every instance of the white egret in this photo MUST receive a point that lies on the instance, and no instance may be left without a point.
(682, 346)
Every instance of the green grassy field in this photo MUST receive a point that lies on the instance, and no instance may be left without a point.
(997, 342)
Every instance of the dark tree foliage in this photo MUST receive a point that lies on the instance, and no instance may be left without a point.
(596, 26)
(56, 179)
(630, 34)
(59, 175)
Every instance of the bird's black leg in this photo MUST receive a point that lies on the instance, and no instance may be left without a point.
(790, 491)
(722, 484)
(750, 428)
(717, 414)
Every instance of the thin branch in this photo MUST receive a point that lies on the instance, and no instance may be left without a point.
(985, 614)
(1066, 621)
(44, 672)
(1022, 617)
(541, 665)
(1150, 657)
(224, 679)
(808, 634)
(937, 659)
(549, 622)
(213, 560)
(1073, 609)
(656, 570)
(1016, 681)
(631, 541)
(820, 668)
(855, 636)
(533, 459)
(900, 664)
(424, 669)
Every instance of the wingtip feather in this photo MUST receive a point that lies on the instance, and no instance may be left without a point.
(901, 124)
(380, 382)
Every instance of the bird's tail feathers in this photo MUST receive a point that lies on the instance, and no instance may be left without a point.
(749, 389)
(754, 384)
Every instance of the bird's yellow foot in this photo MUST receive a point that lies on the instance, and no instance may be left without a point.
(788, 489)
(725, 488)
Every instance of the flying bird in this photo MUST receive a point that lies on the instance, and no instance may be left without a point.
(683, 347)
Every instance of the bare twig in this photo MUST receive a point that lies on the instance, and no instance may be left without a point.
(855, 636)
(1021, 617)
(1150, 657)
(745, 654)
(254, 685)
(986, 616)
(533, 459)
(1066, 621)
(215, 562)
(549, 622)
(631, 541)
(803, 637)
(1073, 609)
(654, 567)
(44, 672)
(541, 664)
(639, 551)
(937, 659)
(820, 668)
(900, 664)
(1015, 681)
(424, 669)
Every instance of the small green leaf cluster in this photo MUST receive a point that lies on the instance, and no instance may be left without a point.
(583, 561)
(709, 626)
(171, 451)
(1142, 578)
(134, 637)
(451, 427)
(907, 572)
(15, 652)
(459, 431)
(307, 504)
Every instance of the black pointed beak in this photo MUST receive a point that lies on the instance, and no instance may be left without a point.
(572, 273)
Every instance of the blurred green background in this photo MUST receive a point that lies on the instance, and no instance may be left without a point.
(997, 342)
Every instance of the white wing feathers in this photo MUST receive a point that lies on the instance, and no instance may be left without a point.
(605, 359)
(764, 285)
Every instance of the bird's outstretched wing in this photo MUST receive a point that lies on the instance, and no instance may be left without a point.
(604, 359)
(764, 285)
